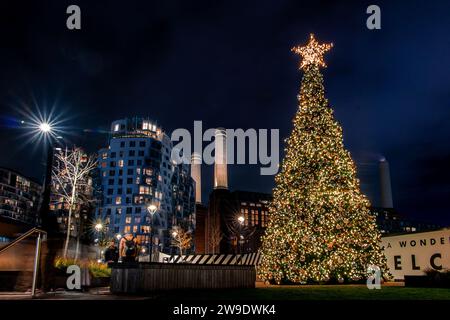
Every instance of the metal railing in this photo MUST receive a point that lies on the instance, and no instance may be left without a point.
(36, 255)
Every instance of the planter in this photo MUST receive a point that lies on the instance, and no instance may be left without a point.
(427, 282)
(100, 282)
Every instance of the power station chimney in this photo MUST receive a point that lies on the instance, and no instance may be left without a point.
(220, 161)
(196, 174)
(385, 185)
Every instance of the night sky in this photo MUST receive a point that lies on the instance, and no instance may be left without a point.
(228, 63)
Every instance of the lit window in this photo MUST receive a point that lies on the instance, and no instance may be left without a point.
(128, 219)
(138, 170)
(154, 128)
(135, 229)
(105, 155)
(137, 220)
(148, 180)
(126, 229)
(118, 200)
(116, 127)
(144, 190)
(121, 163)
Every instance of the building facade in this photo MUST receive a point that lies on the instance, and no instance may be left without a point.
(19, 197)
(136, 172)
(236, 221)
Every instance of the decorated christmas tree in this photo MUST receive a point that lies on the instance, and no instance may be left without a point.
(320, 226)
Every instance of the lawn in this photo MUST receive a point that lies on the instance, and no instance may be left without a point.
(329, 292)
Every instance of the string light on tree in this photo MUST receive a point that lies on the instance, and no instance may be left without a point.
(320, 227)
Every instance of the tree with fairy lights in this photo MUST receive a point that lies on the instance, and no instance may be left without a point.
(320, 227)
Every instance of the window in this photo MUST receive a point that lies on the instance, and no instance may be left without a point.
(138, 170)
(122, 144)
(129, 181)
(119, 211)
(145, 125)
(135, 229)
(129, 210)
(120, 181)
(130, 172)
(145, 229)
(126, 229)
(116, 127)
(131, 153)
(148, 172)
(112, 164)
(129, 191)
(138, 210)
(141, 144)
(119, 191)
(138, 180)
(141, 153)
(148, 180)
(112, 172)
(103, 164)
(128, 219)
(104, 173)
(110, 182)
(118, 200)
(104, 155)
(110, 192)
(137, 220)
(121, 163)
(132, 144)
(131, 162)
(139, 162)
(144, 190)
(113, 154)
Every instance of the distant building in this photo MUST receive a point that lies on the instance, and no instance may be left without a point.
(391, 222)
(19, 197)
(241, 217)
(136, 171)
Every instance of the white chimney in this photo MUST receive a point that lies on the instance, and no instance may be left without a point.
(220, 161)
(385, 185)
(196, 174)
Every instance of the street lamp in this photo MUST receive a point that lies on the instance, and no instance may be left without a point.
(45, 127)
(98, 227)
(151, 209)
(118, 236)
(240, 240)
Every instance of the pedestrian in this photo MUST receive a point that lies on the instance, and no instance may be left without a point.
(128, 248)
(111, 253)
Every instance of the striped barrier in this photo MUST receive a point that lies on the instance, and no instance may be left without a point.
(247, 259)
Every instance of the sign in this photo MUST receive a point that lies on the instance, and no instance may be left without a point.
(412, 254)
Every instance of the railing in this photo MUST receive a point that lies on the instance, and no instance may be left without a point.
(37, 252)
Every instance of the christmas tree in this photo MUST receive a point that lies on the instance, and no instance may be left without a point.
(320, 226)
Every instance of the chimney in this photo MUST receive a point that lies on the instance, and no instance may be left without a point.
(196, 174)
(385, 185)
(220, 161)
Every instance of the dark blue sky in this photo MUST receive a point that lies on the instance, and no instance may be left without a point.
(229, 64)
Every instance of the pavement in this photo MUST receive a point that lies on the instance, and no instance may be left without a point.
(92, 294)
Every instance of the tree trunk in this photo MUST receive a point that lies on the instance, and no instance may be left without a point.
(69, 218)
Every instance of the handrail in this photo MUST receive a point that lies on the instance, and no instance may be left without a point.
(20, 238)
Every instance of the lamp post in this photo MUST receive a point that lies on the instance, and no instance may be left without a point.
(174, 236)
(99, 227)
(46, 130)
(151, 209)
(241, 220)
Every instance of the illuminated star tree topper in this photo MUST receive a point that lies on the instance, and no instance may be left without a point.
(312, 53)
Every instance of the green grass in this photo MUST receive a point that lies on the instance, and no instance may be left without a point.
(330, 292)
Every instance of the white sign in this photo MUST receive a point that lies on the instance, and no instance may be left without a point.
(412, 254)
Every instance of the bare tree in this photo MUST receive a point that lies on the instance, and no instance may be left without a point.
(181, 238)
(71, 182)
(215, 234)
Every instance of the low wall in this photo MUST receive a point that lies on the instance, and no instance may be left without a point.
(146, 277)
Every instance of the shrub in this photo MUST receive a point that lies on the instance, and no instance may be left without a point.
(96, 269)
